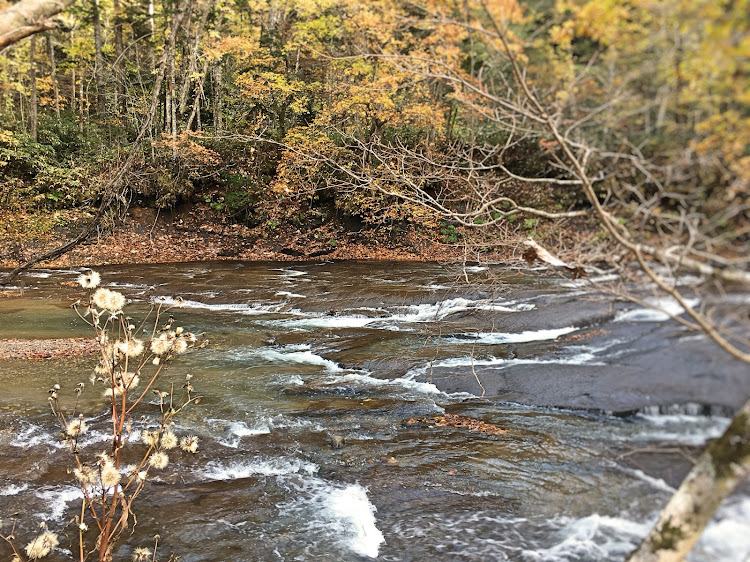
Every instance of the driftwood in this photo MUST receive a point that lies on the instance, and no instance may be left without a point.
(534, 252)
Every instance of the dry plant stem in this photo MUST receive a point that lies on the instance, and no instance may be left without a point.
(640, 302)
(10, 538)
(699, 318)
(81, 551)
(474, 372)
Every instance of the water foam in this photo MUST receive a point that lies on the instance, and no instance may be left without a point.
(595, 537)
(290, 354)
(285, 272)
(511, 337)
(584, 357)
(411, 314)
(351, 506)
(57, 500)
(235, 470)
(342, 513)
(13, 489)
(247, 308)
(664, 309)
(404, 382)
(234, 431)
(681, 428)
(727, 536)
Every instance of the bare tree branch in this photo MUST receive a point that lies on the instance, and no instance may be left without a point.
(28, 17)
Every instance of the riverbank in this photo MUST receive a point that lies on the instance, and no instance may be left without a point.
(199, 234)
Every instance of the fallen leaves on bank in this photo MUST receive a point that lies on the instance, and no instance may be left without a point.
(46, 349)
(460, 422)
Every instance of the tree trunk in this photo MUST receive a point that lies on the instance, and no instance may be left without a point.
(217, 97)
(195, 113)
(719, 469)
(168, 97)
(173, 105)
(32, 80)
(101, 97)
(121, 103)
(73, 91)
(81, 101)
(53, 73)
(192, 66)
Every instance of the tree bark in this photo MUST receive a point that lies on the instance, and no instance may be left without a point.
(101, 96)
(195, 113)
(719, 469)
(53, 73)
(28, 17)
(81, 101)
(121, 103)
(217, 97)
(192, 65)
(32, 80)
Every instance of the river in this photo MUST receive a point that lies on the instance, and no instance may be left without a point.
(602, 402)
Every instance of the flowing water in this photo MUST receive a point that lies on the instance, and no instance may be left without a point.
(301, 353)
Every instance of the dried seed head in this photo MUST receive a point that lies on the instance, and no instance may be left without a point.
(158, 460)
(149, 437)
(76, 428)
(161, 345)
(141, 554)
(189, 443)
(85, 475)
(132, 347)
(42, 545)
(168, 440)
(110, 476)
(89, 280)
(109, 300)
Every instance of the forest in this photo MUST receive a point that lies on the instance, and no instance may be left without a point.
(596, 138)
(385, 115)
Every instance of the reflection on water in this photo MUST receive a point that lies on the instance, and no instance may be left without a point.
(304, 353)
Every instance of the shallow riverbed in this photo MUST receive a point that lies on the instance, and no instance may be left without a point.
(602, 402)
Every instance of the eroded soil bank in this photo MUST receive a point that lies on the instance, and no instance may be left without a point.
(199, 234)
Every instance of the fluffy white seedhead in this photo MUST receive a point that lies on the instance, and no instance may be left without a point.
(76, 428)
(141, 554)
(41, 546)
(109, 300)
(158, 460)
(189, 444)
(89, 280)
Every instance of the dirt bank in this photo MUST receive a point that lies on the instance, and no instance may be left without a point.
(46, 349)
(198, 234)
